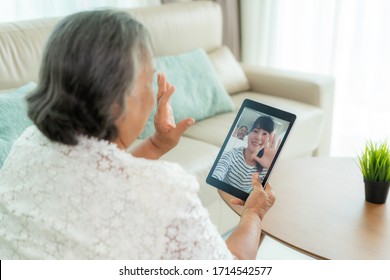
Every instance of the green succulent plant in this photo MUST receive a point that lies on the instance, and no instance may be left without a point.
(375, 161)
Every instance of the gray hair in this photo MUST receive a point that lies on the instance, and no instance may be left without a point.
(89, 65)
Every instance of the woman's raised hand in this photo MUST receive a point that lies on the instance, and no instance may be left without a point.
(167, 133)
(270, 149)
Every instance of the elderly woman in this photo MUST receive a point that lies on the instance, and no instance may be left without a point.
(70, 190)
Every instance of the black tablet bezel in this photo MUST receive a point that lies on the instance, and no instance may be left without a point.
(262, 109)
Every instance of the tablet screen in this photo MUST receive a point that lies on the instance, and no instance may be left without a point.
(253, 144)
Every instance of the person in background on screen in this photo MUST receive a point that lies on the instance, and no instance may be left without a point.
(240, 132)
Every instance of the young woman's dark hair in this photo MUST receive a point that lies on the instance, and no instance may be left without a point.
(88, 67)
(264, 122)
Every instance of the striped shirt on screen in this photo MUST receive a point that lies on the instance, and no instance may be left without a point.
(233, 170)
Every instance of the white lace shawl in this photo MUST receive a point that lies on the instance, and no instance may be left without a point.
(95, 201)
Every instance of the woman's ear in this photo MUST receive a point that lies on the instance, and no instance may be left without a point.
(116, 111)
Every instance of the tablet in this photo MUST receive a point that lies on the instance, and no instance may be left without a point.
(253, 144)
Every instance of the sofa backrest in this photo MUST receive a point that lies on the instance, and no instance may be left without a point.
(181, 27)
(21, 46)
(175, 28)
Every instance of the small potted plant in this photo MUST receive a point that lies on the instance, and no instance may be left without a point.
(375, 165)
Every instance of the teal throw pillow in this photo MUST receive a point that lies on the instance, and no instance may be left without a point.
(13, 117)
(199, 91)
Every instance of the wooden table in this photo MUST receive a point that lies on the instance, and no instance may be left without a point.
(320, 210)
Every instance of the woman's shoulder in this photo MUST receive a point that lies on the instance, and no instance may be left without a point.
(159, 173)
(164, 172)
(97, 160)
(158, 168)
(21, 149)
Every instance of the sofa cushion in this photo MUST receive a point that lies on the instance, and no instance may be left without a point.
(199, 91)
(304, 137)
(13, 116)
(229, 70)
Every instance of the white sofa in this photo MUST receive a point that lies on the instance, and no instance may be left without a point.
(179, 28)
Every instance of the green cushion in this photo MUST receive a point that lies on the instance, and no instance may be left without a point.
(13, 117)
(199, 91)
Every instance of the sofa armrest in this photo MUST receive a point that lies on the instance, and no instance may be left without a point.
(313, 89)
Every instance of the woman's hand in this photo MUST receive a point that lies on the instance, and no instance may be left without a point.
(259, 200)
(270, 148)
(167, 133)
(244, 241)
